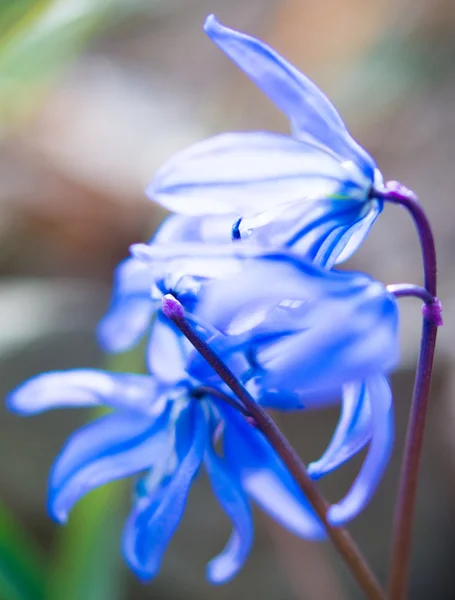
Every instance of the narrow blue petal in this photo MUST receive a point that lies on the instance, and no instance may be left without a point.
(155, 518)
(131, 307)
(227, 488)
(265, 478)
(352, 432)
(110, 448)
(377, 458)
(356, 234)
(166, 353)
(125, 323)
(309, 110)
(249, 173)
(84, 387)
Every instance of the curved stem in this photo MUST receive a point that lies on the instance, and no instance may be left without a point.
(405, 290)
(398, 194)
(339, 536)
(404, 510)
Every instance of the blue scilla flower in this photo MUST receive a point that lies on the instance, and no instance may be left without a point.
(308, 344)
(162, 429)
(137, 290)
(310, 335)
(312, 191)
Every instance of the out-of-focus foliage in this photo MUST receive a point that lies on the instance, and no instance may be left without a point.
(86, 561)
(22, 572)
(39, 37)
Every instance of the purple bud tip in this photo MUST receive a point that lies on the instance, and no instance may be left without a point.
(396, 190)
(433, 312)
(252, 421)
(172, 308)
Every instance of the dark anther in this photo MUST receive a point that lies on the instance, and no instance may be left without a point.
(236, 230)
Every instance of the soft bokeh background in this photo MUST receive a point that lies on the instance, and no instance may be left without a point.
(94, 96)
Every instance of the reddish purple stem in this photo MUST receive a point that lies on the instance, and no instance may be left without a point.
(404, 510)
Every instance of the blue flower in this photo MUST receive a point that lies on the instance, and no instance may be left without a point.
(310, 335)
(320, 181)
(161, 429)
(137, 290)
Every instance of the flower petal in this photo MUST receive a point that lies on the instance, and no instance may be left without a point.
(238, 303)
(377, 458)
(166, 354)
(265, 478)
(125, 323)
(247, 173)
(324, 231)
(352, 432)
(131, 307)
(231, 496)
(154, 518)
(110, 448)
(84, 387)
(309, 110)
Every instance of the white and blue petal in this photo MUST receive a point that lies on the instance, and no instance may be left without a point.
(155, 517)
(228, 489)
(265, 478)
(166, 351)
(370, 475)
(250, 173)
(347, 339)
(132, 304)
(128, 317)
(237, 304)
(112, 447)
(313, 116)
(352, 432)
(324, 231)
(85, 388)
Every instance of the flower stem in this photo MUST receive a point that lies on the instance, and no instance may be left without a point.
(404, 510)
(398, 194)
(404, 290)
(339, 536)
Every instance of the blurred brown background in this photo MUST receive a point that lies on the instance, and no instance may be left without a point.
(89, 108)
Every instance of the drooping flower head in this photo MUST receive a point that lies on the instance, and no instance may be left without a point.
(310, 335)
(163, 429)
(319, 180)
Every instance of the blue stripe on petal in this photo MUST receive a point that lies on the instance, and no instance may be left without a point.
(377, 458)
(110, 448)
(325, 231)
(265, 478)
(227, 488)
(352, 432)
(246, 173)
(309, 110)
(155, 518)
(84, 387)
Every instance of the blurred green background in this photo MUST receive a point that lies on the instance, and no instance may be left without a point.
(94, 96)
